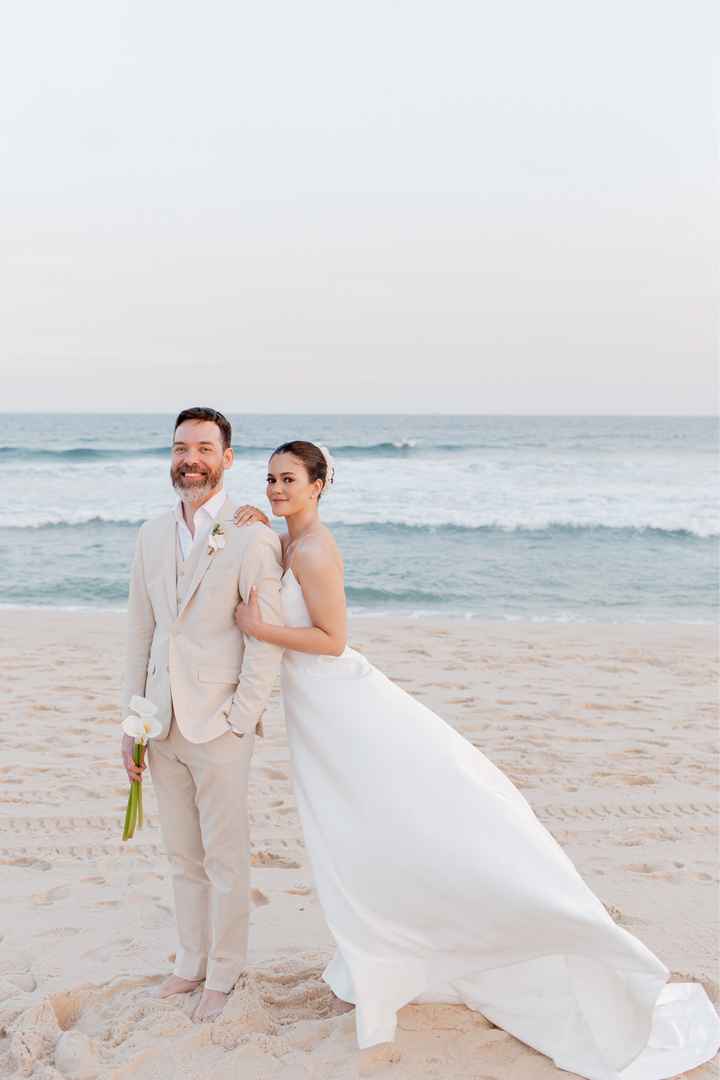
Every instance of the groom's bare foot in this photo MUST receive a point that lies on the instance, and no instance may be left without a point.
(210, 1006)
(175, 985)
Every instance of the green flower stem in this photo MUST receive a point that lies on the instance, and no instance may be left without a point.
(133, 815)
(139, 755)
(127, 830)
(134, 810)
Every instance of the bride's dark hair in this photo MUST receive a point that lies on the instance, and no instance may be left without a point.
(311, 456)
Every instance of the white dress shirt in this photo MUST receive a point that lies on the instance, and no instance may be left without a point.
(203, 520)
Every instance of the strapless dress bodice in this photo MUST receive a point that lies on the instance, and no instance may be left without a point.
(349, 665)
(293, 602)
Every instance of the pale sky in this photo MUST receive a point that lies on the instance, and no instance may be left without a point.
(387, 205)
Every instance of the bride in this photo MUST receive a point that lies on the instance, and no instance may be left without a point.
(436, 879)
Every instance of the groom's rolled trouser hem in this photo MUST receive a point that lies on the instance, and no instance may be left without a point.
(189, 965)
(224, 981)
(220, 975)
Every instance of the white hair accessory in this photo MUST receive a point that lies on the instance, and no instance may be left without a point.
(330, 465)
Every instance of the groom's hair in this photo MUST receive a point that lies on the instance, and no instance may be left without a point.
(199, 412)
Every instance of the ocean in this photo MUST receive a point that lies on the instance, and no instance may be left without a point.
(557, 518)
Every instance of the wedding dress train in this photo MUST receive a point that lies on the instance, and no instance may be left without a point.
(439, 883)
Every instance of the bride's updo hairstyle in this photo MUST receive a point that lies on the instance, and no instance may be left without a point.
(318, 464)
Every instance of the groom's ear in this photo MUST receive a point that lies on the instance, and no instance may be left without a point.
(228, 457)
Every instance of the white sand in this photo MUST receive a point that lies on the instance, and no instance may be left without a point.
(610, 731)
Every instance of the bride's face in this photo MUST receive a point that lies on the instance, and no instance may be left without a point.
(289, 488)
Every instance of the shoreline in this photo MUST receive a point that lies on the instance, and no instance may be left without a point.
(451, 618)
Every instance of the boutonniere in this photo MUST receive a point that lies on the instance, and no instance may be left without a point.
(217, 538)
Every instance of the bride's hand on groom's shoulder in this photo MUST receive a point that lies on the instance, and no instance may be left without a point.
(245, 515)
(247, 615)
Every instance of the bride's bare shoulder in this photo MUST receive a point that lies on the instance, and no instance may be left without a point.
(318, 552)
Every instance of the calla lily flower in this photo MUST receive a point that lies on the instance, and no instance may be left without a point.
(142, 706)
(141, 728)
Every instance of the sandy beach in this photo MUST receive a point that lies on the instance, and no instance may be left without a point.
(609, 730)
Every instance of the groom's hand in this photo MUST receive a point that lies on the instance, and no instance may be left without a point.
(244, 515)
(134, 771)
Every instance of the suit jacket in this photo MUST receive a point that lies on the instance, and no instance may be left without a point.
(195, 660)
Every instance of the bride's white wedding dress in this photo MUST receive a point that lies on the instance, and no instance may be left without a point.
(439, 883)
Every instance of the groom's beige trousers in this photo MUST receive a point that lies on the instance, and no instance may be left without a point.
(201, 793)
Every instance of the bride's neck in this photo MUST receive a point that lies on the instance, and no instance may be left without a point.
(302, 522)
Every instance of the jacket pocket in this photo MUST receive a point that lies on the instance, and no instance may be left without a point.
(227, 676)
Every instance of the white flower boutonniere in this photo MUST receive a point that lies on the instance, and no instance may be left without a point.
(217, 538)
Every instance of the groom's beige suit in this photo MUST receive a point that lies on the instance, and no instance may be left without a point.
(211, 686)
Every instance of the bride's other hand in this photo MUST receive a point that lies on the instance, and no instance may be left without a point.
(245, 515)
(248, 617)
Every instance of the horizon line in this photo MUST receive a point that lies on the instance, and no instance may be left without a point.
(335, 412)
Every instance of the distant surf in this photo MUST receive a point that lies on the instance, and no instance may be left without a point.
(545, 518)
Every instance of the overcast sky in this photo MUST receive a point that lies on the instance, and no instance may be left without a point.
(386, 205)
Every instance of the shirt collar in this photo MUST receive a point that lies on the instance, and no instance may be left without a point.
(211, 507)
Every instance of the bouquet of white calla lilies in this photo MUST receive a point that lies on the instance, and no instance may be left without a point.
(140, 727)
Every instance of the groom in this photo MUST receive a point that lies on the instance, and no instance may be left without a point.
(211, 686)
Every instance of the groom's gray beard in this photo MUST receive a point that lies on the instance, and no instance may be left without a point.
(193, 494)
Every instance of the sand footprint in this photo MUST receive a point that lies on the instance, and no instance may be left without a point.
(26, 861)
(49, 896)
(376, 1058)
(269, 859)
(275, 774)
(674, 873)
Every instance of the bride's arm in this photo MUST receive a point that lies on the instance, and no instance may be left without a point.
(321, 581)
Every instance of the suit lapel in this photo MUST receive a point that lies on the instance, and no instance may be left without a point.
(203, 558)
(169, 563)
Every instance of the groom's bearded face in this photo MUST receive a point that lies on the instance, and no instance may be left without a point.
(195, 479)
(198, 460)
